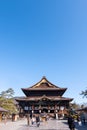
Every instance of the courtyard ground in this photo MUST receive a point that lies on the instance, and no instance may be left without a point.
(49, 125)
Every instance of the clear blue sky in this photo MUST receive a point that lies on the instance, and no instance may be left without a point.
(44, 38)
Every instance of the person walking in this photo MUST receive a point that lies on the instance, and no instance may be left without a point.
(79, 120)
(28, 119)
(83, 118)
(37, 120)
(71, 122)
(5, 119)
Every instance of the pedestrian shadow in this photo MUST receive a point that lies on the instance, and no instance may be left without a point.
(54, 129)
(77, 127)
(50, 129)
(27, 127)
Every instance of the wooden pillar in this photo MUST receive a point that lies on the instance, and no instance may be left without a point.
(48, 108)
(39, 106)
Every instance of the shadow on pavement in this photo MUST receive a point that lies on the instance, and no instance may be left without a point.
(78, 127)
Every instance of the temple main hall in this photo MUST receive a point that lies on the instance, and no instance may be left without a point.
(42, 97)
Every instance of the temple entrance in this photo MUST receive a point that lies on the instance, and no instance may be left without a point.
(44, 110)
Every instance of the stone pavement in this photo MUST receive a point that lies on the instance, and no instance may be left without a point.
(49, 125)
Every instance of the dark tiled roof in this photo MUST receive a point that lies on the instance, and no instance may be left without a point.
(53, 98)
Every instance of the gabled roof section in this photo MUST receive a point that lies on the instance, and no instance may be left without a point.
(44, 97)
(44, 83)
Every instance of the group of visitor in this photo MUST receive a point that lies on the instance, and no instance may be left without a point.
(35, 119)
(81, 120)
(31, 119)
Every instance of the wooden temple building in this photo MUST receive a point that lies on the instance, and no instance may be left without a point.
(42, 97)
